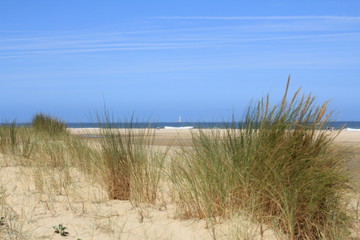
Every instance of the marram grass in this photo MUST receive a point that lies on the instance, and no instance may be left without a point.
(128, 165)
(123, 160)
(16, 140)
(47, 124)
(275, 164)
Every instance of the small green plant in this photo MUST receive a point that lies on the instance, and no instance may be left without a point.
(60, 229)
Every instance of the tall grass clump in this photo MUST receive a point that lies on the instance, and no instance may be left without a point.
(129, 167)
(9, 137)
(47, 124)
(16, 140)
(275, 164)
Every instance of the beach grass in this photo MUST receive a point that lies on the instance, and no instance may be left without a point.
(129, 167)
(275, 168)
(16, 140)
(275, 164)
(48, 124)
(122, 160)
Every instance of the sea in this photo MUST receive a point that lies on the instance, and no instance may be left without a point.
(347, 125)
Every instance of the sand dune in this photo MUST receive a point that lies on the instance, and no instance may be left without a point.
(83, 207)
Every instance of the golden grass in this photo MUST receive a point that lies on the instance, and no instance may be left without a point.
(274, 164)
(272, 170)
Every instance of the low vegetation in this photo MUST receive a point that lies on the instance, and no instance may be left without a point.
(48, 124)
(122, 160)
(274, 166)
(129, 167)
(16, 140)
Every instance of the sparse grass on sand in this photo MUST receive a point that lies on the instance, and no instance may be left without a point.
(272, 175)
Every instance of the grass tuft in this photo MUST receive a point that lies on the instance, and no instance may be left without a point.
(275, 164)
(129, 167)
(16, 140)
(47, 124)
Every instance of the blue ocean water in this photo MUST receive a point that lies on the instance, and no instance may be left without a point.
(337, 125)
(154, 125)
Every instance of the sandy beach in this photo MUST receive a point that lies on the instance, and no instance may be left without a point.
(83, 206)
(180, 120)
(177, 137)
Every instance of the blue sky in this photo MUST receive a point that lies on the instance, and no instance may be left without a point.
(203, 60)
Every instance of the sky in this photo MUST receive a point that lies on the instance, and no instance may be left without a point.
(204, 60)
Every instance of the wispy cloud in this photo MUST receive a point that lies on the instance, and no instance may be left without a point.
(347, 18)
(163, 36)
(84, 45)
